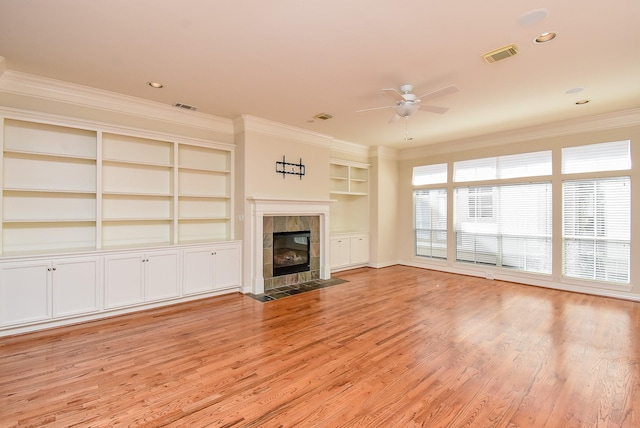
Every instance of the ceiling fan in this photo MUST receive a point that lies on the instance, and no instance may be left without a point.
(407, 103)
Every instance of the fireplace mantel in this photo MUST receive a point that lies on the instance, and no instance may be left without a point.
(258, 208)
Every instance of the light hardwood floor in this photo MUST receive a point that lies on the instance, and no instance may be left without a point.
(394, 347)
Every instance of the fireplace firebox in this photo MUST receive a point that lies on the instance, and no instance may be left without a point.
(291, 252)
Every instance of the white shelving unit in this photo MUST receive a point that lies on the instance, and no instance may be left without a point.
(99, 220)
(76, 189)
(48, 187)
(349, 178)
(137, 191)
(204, 194)
(349, 184)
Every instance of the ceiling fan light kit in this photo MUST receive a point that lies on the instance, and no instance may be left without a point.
(407, 103)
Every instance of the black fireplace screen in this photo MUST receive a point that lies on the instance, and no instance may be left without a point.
(291, 252)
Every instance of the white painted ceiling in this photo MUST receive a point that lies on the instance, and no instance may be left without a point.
(288, 60)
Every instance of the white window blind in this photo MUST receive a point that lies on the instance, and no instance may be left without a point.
(534, 164)
(518, 233)
(430, 174)
(431, 223)
(596, 229)
(613, 156)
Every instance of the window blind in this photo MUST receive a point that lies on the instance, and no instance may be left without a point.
(430, 174)
(515, 232)
(431, 223)
(596, 229)
(612, 156)
(534, 164)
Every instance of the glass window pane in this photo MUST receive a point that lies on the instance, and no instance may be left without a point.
(597, 229)
(430, 174)
(431, 223)
(614, 156)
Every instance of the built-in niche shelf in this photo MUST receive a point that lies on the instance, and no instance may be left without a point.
(349, 178)
(65, 188)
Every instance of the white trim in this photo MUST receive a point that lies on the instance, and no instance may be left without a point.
(259, 207)
(40, 87)
(551, 130)
(384, 153)
(92, 125)
(246, 122)
(538, 280)
(348, 148)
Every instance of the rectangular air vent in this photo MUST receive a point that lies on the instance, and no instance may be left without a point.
(323, 116)
(501, 53)
(185, 106)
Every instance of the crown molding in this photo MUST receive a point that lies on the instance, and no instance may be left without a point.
(581, 125)
(345, 147)
(248, 123)
(44, 88)
(384, 153)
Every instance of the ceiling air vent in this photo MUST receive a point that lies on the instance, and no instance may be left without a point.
(185, 106)
(501, 53)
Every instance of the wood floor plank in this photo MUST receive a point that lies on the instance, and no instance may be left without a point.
(392, 347)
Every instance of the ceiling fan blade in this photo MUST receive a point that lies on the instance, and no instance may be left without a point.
(394, 93)
(434, 109)
(440, 92)
(374, 108)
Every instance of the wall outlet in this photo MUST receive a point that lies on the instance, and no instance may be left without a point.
(488, 275)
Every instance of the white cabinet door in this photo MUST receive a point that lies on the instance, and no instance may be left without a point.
(340, 251)
(359, 249)
(227, 267)
(124, 280)
(197, 270)
(76, 284)
(161, 275)
(25, 292)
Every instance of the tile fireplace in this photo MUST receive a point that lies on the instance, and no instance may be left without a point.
(269, 216)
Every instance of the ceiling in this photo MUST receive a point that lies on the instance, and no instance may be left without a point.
(289, 60)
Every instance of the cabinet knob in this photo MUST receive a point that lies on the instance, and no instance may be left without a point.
(55, 268)
(49, 269)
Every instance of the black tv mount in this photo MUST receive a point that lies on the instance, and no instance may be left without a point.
(285, 168)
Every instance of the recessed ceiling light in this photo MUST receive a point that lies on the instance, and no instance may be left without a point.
(582, 102)
(545, 37)
(155, 85)
(573, 90)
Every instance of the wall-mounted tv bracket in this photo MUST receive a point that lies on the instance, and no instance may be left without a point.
(285, 168)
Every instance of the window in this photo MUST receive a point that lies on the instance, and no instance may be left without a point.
(533, 164)
(480, 202)
(430, 174)
(615, 156)
(431, 223)
(596, 214)
(516, 236)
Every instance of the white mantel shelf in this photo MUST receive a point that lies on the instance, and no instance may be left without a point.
(258, 208)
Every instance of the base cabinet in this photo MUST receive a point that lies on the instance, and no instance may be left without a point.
(43, 292)
(44, 289)
(349, 250)
(140, 277)
(211, 268)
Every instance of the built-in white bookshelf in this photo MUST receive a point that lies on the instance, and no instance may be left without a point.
(137, 191)
(349, 178)
(204, 193)
(66, 188)
(349, 187)
(48, 187)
